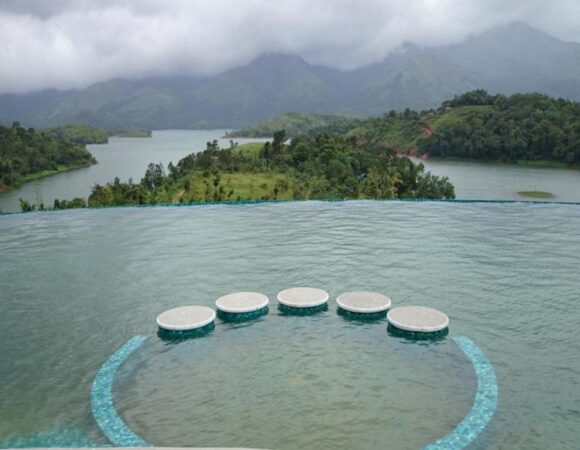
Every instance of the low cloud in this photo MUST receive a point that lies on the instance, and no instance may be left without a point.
(71, 44)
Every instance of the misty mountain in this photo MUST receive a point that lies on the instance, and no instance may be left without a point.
(514, 58)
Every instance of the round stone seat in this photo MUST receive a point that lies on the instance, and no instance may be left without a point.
(418, 319)
(303, 297)
(242, 302)
(186, 318)
(362, 302)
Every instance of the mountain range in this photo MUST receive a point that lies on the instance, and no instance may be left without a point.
(508, 59)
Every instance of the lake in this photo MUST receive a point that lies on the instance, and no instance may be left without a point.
(129, 157)
(121, 157)
(77, 284)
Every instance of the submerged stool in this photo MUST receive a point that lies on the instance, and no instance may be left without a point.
(302, 300)
(417, 322)
(185, 321)
(363, 305)
(242, 306)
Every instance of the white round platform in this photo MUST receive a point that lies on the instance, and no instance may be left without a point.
(186, 318)
(363, 302)
(418, 319)
(242, 302)
(303, 297)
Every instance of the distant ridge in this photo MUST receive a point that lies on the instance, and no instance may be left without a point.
(508, 59)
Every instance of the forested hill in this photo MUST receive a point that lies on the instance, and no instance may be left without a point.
(26, 154)
(477, 125)
(78, 134)
(296, 124)
(514, 58)
(529, 127)
(322, 167)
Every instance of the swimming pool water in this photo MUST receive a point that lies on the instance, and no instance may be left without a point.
(76, 285)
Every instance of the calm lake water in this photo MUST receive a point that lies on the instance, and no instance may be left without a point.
(75, 285)
(121, 157)
(129, 157)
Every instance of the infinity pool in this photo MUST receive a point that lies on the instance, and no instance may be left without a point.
(76, 285)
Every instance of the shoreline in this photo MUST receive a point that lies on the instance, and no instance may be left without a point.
(44, 174)
(541, 164)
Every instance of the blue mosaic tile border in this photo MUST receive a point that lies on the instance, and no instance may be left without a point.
(462, 436)
(483, 407)
(102, 404)
(61, 436)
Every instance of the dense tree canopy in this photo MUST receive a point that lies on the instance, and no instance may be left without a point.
(25, 152)
(78, 134)
(477, 125)
(306, 168)
(529, 127)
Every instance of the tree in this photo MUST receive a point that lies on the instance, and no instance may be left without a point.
(153, 176)
(278, 144)
(26, 206)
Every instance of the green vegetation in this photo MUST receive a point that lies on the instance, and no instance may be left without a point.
(522, 128)
(296, 124)
(78, 134)
(135, 132)
(26, 154)
(306, 168)
(536, 194)
(530, 127)
(398, 131)
(49, 172)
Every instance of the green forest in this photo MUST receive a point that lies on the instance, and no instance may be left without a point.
(297, 124)
(480, 126)
(305, 168)
(526, 127)
(26, 154)
(475, 125)
(350, 158)
(131, 131)
(78, 134)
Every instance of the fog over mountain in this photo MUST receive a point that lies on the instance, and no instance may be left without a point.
(506, 59)
(75, 43)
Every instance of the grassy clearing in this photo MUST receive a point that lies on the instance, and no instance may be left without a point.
(250, 150)
(536, 194)
(457, 115)
(257, 185)
(242, 185)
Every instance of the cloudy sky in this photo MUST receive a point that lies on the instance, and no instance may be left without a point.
(73, 43)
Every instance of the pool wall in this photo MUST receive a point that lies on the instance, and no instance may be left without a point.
(102, 403)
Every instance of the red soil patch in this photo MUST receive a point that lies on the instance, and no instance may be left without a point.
(426, 130)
